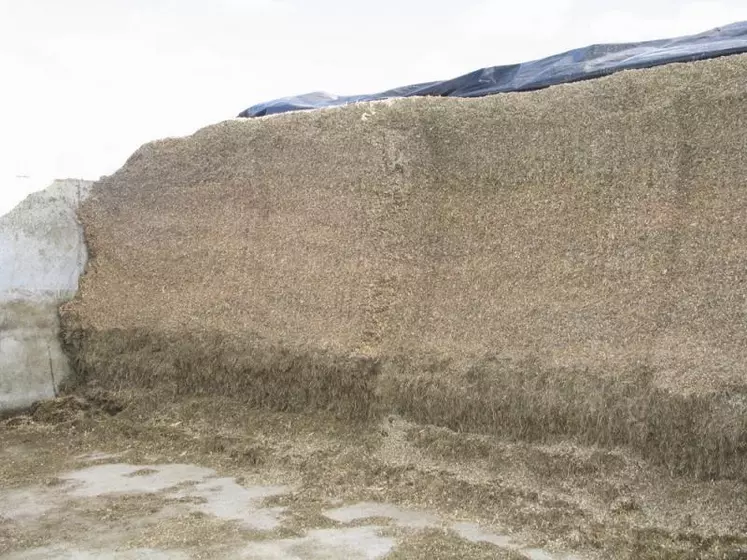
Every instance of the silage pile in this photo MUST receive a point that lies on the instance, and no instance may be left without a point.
(568, 263)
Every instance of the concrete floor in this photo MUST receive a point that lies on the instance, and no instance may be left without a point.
(150, 499)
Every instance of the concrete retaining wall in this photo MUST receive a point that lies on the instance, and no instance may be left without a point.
(42, 254)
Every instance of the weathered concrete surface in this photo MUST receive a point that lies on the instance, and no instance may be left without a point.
(42, 254)
(173, 491)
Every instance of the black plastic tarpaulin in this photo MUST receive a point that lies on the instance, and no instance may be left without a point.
(579, 64)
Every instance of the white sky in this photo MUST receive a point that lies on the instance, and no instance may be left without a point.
(83, 83)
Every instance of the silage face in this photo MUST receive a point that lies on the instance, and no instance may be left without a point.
(563, 263)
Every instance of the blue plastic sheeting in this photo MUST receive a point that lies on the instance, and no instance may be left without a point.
(572, 66)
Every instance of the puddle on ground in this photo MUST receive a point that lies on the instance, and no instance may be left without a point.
(356, 543)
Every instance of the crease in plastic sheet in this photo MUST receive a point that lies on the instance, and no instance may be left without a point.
(575, 65)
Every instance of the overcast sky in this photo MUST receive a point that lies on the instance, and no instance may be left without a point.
(85, 82)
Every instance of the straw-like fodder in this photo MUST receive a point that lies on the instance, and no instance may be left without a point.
(568, 263)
